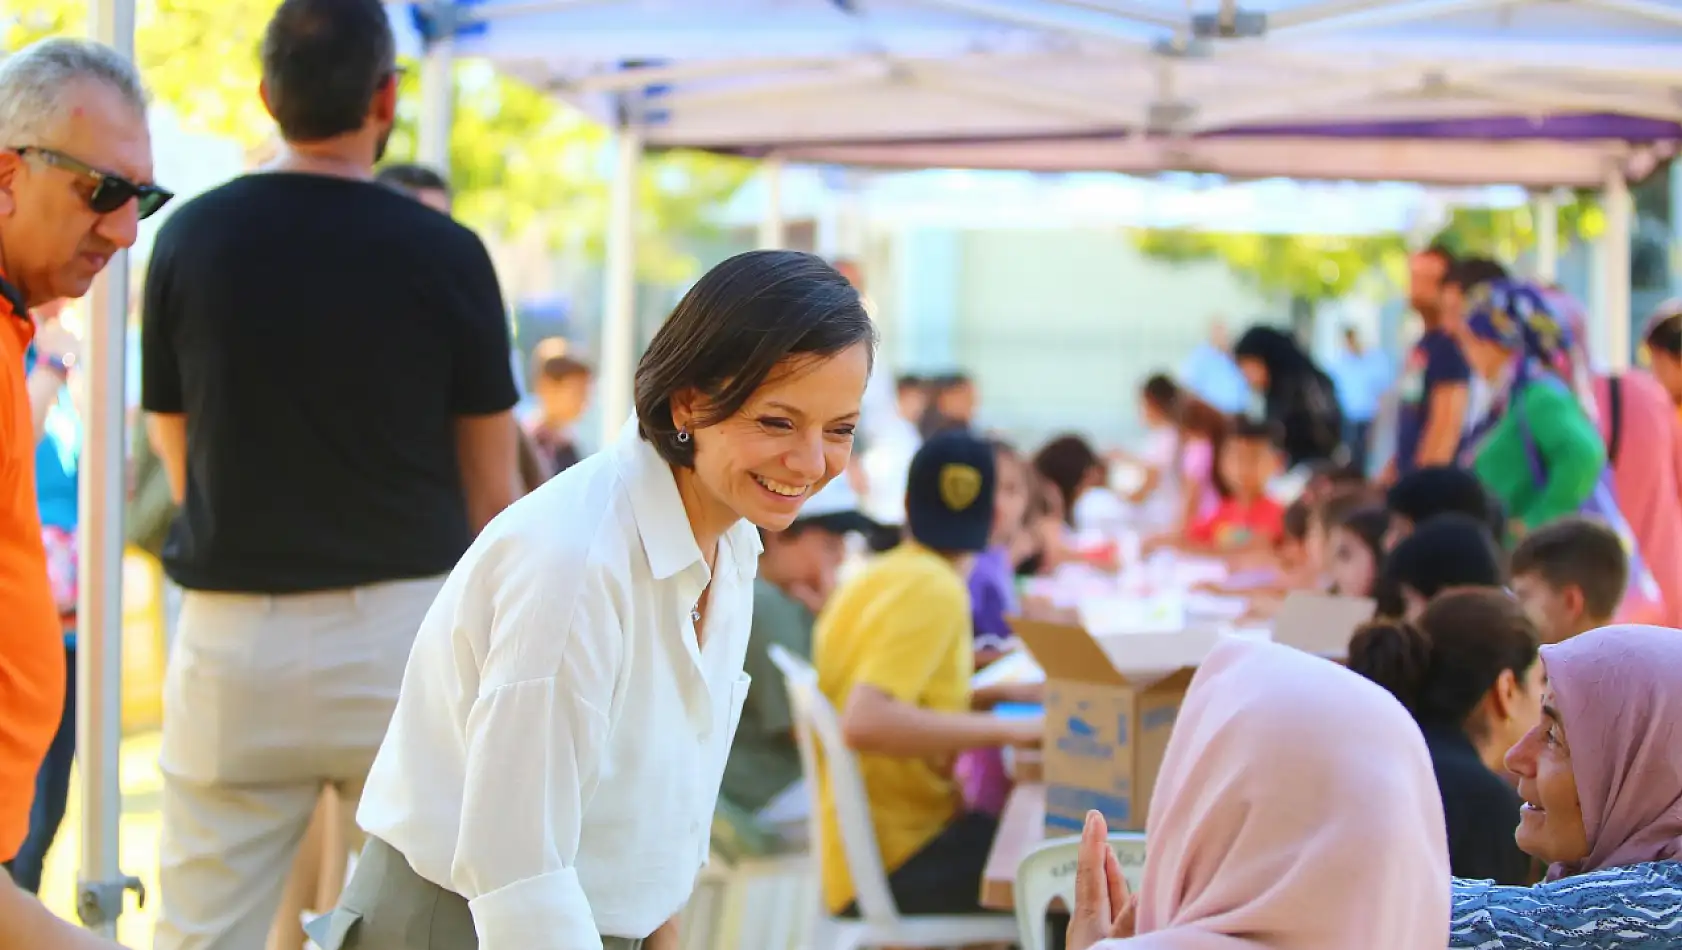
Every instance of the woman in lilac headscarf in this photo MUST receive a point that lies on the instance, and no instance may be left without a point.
(1601, 778)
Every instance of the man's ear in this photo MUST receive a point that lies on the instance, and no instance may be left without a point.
(263, 94)
(11, 166)
(1572, 599)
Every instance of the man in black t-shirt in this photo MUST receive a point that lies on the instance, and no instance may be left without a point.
(327, 381)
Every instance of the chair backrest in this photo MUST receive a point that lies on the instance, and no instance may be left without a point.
(1047, 873)
(817, 727)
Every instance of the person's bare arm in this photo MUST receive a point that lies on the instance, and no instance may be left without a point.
(168, 435)
(44, 385)
(26, 925)
(875, 722)
(1153, 478)
(665, 938)
(487, 450)
(989, 696)
(1446, 420)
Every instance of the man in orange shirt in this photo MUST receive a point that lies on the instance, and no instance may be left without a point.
(75, 180)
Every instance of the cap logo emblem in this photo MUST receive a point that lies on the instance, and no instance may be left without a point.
(959, 486)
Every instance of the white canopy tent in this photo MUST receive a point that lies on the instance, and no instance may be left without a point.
(1584, 93)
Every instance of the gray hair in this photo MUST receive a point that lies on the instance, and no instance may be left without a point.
(34, 82)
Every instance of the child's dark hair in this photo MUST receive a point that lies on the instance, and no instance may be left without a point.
(1066, 462)
(1452, 550)
(1664, 328)
(1247, 429)
(1368, 525)
(1441, 667)
(1162, 393)
(1298, 515)
(1577, 552)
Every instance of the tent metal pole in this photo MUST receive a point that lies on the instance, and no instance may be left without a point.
(1615, 274)
(99, 610)
(438, 91)
(1545, 210)
(773, 230)
(619, 310)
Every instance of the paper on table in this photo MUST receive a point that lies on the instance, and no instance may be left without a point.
(1017, 667)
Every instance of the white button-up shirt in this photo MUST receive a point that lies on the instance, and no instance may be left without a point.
(557, 747)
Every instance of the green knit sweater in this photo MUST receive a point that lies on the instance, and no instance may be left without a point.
(1572, 453)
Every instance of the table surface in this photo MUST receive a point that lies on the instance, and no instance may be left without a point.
(1021, 827)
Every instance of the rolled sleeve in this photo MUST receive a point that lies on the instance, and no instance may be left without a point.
(548, 911)
(534, 748)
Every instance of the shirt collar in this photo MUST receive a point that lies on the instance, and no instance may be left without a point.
(667, 539)
(12, 304)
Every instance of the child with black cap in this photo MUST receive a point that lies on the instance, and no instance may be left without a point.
(893, 652)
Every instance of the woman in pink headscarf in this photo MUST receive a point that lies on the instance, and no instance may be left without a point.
(1295, 810)
(1601, 778)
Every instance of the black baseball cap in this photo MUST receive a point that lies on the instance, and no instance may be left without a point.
(949, 493)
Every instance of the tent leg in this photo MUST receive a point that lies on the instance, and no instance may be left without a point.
(101, 884)
(1614, 284)
(619, 310)
(773, 232)
(1545, 207)
(437, 105)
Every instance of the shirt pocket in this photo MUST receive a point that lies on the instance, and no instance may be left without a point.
(738, 699)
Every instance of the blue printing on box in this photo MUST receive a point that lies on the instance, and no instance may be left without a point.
(1067, 807)
(1159, 718)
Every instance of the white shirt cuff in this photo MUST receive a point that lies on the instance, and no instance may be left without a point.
(547, 912)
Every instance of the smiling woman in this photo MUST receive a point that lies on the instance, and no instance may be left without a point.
(550, 774)
(1602, 790)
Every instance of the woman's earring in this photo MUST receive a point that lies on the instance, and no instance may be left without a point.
(683, 435)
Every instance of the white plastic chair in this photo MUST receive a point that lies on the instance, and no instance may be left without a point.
(762, 903)
(1047, 874)
(880, 923)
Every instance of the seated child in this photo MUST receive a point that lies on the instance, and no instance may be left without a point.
(1570, 575)
(894, 655)
(1246, 520)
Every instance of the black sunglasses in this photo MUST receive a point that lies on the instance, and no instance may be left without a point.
(110, 191)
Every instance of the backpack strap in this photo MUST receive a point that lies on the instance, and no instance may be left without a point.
(1615, 417)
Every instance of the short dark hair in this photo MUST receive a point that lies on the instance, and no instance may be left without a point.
(1251, 429)
(1441, 252)
(1297, 517)
(1065, 462)
(1664, 328)
(1578, 552)
(909, 381)
(1161, 392)
(323, 61)
(1438, 489)
(1470, 272)
(732, 329)
(410, 177)
(1441, 667)
(1448, 550)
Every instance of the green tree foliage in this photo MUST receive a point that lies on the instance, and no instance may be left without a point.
(1314, 267)
(519, 160)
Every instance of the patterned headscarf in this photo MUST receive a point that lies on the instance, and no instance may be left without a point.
(1519, 316)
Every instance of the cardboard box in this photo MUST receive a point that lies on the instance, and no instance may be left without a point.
(1110, 705)
(1321, 623)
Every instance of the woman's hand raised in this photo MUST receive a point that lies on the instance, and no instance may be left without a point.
(1104, 910)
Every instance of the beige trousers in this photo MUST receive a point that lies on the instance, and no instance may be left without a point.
(267, 701)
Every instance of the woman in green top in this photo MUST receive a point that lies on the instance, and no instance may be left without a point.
(1535, 447)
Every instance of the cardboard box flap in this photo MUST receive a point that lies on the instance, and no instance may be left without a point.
(1068, 652)
(1321, 624)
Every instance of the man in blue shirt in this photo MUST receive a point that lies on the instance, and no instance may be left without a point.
(1432, 395)
(1211, 373)
(1362, 376)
